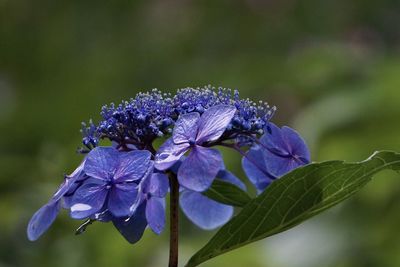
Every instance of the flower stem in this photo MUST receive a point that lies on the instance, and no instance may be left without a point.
(174, 220)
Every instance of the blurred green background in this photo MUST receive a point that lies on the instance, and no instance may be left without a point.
(331, 67)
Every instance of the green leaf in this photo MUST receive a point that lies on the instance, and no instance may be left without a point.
(227, 193)
(295, 197)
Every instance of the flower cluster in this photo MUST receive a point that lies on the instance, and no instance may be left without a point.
(249, 118)
(109, 186)
(133, 123)
(141, 120)
(127, 183)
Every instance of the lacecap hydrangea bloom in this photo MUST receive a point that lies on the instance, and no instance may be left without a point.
(127, 183)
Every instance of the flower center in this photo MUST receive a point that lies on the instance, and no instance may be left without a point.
(192, 141)
(110, 180)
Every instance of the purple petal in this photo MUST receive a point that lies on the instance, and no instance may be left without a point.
(69, 195)
(88, 200)
(297, 145)
(156, 185)
(78, 173)
(279, 166)
(274, 140)
(199, 169)
(101, 162)
(133, 165)
(204, 212)
(63, 189)
(132, 229)
(155, 214)
(141, 198)
(229, 177)
(169, 153)
(186, 128)
(213, 123)
(254, 165)
(121, 198)
(42, 220)
(69, 182)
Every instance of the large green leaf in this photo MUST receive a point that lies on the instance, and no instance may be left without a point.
(227, 193)
(294, 198)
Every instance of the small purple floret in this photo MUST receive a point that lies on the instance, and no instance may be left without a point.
(192, 132)
(148, 116)
(278, 151)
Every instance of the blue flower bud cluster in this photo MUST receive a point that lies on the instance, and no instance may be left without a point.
(135, 122)
(250, 118)
(141, 120)
(90, 136)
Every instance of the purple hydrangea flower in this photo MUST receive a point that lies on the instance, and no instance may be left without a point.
(278, 151)
(135, 196)
(104, 187)
(113, 183)
(194, 132)
(119, 184)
